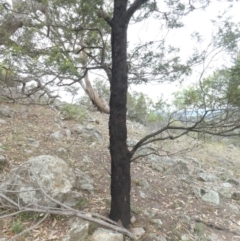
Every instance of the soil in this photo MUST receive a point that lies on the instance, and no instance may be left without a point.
(168, 197)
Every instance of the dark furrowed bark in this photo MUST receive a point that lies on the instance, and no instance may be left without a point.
(120, 156)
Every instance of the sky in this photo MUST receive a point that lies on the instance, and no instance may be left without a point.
(197, 21)
(200, 21)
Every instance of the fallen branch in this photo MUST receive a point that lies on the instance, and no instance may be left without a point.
(64, 210)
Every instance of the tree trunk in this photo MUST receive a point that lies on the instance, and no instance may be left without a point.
(96, 99)
(120, 156)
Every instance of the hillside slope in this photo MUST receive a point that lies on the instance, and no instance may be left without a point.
(192, 195)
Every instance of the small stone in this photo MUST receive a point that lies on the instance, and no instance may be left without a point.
(61, 150)
(78, 231)
(57, 135)
(90, 127)
(231, 146)
(184, 237)
(67, 133)
(149, 213)
(233, 181)
(32, 142)
(142, 194)
(236, 196)
(133, 219)
(138, 232)
(206, 177)
(226, 185)
(234, 208)
(1, 149)
(102, 234)
(156, 167)
(212, 197)
(2, 122)
(2, 159)
(155, 237)
(157, 222)
(87, 186)
(212, 238)
(7, 112)
(78, 129)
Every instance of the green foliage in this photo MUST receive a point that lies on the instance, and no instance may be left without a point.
(17, 226)
(219, 90)
(75, 112)
(137, 106)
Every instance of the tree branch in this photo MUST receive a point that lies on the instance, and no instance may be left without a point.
(134, 7)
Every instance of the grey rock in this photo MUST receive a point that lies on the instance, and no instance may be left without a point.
(57, 104)
(90, 127)
(62, 150)
(133, 219)
(144, 183)
(2, 150)
(157, 222)
(87, 187)
(78, 129)
(236, 196)
(32, 142)
(28, 151)
(7, 112)
(2, 159)
(56, 136)
(234, 208)
(3, 122)
(138, 232)
(52, 173)
(206, 177)
(102, 234)
(196, 161)
(155, 237)
(142, 194)
(231, 146)
(233, 181)
(212, 238)
(184, 237)
(211, 197)
(78, 231)
(131, 142)
(91, 130)
(226, 191)
(82, 178)
(226, 185)
(72, 199)
(86, 159)
(179, 168)
(153, 159)
(67, 133)
(157, 167)
(149, 213)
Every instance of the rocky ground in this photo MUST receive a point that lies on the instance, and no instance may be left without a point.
(191, 195)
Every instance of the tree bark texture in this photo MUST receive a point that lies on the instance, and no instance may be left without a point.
(120, 156)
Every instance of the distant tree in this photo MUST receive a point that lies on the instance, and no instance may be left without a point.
(138, 106)
(219, 91)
